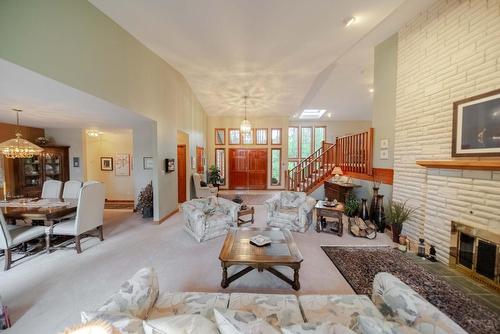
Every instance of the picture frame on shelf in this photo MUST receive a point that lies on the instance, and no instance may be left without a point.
(107, 164)
(476, 126)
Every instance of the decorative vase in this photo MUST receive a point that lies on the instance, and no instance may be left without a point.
(402, 239)
(421, 247)
(373, 203)
(365, 215)
(147, 212)
(396, 231)
(379, 214)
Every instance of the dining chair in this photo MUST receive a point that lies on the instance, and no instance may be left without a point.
(13, 235)
(71, 190)
(89, 216)
(52, 189)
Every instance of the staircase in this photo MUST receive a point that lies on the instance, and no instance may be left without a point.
(352, 153)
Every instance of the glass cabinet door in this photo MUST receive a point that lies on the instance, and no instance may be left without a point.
(52, 165)
(32, 172)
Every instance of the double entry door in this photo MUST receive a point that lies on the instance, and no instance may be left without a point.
(247, 168)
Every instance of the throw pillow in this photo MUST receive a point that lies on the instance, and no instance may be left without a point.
(136, 296)
(240, 322)
(322, 328)
(370, 325)
(123, 322)
(180, 324)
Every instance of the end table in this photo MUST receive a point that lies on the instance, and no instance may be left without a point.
(249, 211)
(322, 211)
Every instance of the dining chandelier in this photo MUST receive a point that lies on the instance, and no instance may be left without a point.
(246, 126)
(19, 147)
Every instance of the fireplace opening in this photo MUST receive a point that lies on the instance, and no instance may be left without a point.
(466, 250)
(486, 259)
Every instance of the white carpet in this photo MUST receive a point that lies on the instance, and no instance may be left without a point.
(45, 293)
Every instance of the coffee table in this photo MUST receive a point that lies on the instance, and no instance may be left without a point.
(282, 251)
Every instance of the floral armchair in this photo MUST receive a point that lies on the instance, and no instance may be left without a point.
(291, 210)
(208, 218)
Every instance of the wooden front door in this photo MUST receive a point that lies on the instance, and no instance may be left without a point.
(181, 173)
(247, 168)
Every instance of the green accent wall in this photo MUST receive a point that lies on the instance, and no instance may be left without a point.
(72, 42)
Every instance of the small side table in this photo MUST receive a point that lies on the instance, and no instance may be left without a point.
(249, 211)
(322, 211)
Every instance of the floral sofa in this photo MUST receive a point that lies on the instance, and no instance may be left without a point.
(138, 307)
(291, 210)
(208, 218)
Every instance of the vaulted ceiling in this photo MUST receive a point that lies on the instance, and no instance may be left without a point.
(285, 54)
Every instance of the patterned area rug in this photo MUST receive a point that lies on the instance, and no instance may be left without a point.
(249, 199)
(359, 265)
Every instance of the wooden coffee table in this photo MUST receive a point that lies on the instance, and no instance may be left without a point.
(237, 250)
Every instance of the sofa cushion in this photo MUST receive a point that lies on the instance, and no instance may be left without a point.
(398, 302)
(180, 324)
(341, 309)
(370, 325)
(277, 310)
(292, 199)
(321, 328)
(242, 322)
(123, 322)
(136, 296)
(291, 214)
(175, 303)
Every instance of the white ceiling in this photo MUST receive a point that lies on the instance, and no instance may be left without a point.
(47, 103)
(287, 55)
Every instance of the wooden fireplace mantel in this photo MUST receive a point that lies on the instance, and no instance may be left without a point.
(461, 164)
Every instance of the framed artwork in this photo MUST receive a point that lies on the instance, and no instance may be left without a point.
(476, 126)
(220, 136)
(122, 165)
(107, 163)
(147, 163)
(384, 154)
(169, 165)
(384, 143)
(76, 162)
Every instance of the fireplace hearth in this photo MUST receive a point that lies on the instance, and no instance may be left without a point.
(476, 252)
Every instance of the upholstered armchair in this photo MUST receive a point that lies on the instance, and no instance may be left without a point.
(203, 192)
(291, 210)
(208, 218)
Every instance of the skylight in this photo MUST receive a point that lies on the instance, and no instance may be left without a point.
(312, 113)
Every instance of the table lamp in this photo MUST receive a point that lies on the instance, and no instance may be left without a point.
(337, 171)
(91, 327)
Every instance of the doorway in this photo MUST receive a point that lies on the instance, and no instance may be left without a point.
(247, 168)
(181, 173)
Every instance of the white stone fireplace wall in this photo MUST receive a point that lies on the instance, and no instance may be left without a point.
(447, 53)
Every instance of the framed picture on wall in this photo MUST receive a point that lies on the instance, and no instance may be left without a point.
(476, 126)
(147, 163)
(107, 163)
(122, 165)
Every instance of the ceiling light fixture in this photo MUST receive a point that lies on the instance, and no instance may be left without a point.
(94, 133)
(19, 147)
(312, 113)
(349, 21)
(246, 126)
(329, 115)
(371, 90)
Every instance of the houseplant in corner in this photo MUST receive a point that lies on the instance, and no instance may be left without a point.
(145, 201)
(398, 213)
(214, 177)
(351, 205)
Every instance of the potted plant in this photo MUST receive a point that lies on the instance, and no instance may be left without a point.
(145, 201)
(351, 206)
(398, 213)
(214, 177)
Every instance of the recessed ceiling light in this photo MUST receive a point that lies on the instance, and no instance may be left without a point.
(371, 90)
(349, 21)
(312, 113)
(329, 115)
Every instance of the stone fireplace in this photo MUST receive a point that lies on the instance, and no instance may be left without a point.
(476, 251)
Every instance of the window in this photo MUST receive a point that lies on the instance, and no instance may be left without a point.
(220, 163)
(306, 142)
(220, 136)
(292, 164)
(319, 136)
(247, 138)
(276, 136)
(293, 142)
(261, 136)
(275, 166)
(234, 136)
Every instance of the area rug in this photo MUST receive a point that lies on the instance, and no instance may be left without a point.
(359, 265)
(250, 199)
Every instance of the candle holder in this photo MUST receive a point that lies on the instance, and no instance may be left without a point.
(421, 247)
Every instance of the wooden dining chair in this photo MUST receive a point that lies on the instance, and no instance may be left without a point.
(13, 235)
(89, 216)
(51, 189)
(71, 190)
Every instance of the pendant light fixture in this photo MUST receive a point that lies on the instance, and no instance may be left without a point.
(245, 126)
(19, 147)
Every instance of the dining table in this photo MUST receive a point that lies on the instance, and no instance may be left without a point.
(31, 209)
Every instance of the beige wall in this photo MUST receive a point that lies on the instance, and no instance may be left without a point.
(92, 53)
(109, 144)
(449, 53)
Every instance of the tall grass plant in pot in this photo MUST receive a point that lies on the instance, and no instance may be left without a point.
(398, 213)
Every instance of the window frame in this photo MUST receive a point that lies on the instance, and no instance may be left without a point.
(252, 136)
(255, 135)
(314, 135)
(223, 136)
(223, 176)
(229, 136)
(280, 137)
(300, 141)
(280, 167)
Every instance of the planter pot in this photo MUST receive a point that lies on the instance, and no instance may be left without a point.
(402, 240)
(147, 212)
(396, 231)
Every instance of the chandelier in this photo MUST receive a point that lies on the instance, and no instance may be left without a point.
(19, 147)
(245, 126)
